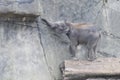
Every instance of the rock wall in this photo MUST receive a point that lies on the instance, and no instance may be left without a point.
(29, 50)
(111, 25)
(21, 52)
(21, 55)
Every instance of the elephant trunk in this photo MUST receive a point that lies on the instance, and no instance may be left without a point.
(46, 22)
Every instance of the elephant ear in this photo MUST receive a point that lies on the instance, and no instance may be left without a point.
(67, 23)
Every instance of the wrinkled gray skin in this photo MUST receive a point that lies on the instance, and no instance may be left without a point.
(87, 35)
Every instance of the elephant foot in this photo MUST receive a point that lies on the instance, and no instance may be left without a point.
(91, 59)
(75, 58)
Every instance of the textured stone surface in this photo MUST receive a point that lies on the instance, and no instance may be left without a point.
(24, 55)
(104, 68)
(96, 79)
(111, 15)
(103, 79)
(21, 55)
(22, 7)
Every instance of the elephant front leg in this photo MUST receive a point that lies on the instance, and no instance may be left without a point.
(91, 52)
(73, 52)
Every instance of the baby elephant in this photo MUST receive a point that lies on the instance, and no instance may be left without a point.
(78, 33)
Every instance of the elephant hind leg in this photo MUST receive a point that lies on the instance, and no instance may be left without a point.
(91, 50)
(90, 56)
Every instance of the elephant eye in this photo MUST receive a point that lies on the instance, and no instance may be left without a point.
(60, 27)
(64, 27)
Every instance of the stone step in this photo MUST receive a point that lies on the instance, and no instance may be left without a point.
(102, 67)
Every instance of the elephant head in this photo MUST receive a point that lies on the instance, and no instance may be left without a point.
(59, 26)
